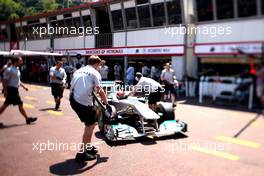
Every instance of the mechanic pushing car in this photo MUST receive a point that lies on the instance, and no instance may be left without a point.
(84, 81)
(148, 86)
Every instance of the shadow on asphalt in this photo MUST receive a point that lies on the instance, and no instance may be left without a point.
(71, 167)
(259, 115)
(48, 109)
(2, 126)
(141, 140)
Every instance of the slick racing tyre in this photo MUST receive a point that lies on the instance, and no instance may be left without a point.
(166, 110)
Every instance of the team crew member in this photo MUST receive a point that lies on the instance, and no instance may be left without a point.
(130, 75)
(150, 86)
(104, 71)
(11, 80)
(117, 71)
(170, 82)
(84, 81)
(58, 78)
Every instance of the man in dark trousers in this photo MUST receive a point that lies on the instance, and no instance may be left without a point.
(11, 80)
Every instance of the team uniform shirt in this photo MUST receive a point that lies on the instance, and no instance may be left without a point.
(12, 76)
(83, 83)
(60, 75)
(168, 75)
(148, 83)
(130, 73)
(104, 71)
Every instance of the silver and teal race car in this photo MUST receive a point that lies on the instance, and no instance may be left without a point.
(131, 118)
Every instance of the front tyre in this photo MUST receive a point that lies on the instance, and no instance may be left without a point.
(166, 110)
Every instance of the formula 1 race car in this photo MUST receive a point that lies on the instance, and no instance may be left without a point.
(131, 118)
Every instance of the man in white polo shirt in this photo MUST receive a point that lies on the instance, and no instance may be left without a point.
(11, 81)
(150, 87)
(170, 83)
(84, 81)
(58, 78)
(104, 71)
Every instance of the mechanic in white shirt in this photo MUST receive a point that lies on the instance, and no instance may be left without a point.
(104, 71)
(84, 81)
(58, 78)
(169, 78)
(150, 87)
(11, 82)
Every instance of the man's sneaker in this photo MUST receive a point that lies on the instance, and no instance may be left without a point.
(81, 157)
(92, 151)
(29, 120)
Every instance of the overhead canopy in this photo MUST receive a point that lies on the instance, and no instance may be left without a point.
(27, 53)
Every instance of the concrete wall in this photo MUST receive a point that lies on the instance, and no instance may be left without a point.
(35, 45)
(161, 36)
(74, 42)
(246, 30)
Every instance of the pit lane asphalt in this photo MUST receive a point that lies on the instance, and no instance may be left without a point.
(194, 154)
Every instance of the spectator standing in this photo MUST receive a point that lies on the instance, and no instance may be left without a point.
(170, 83)
(145, 70)
(44, 71)
(130, 75)
(69, 70)
(117, 71)
(104, 70)
(155, 73)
